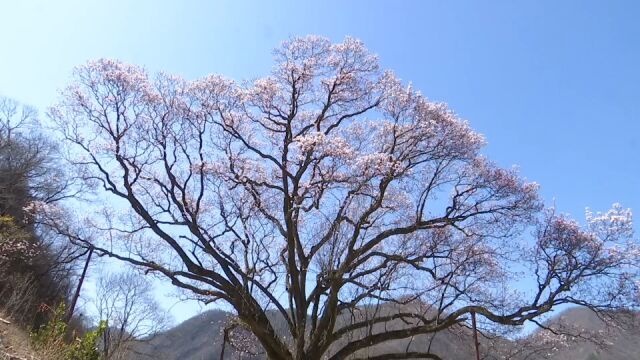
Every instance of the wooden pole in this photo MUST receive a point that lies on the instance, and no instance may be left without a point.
(224, 343)
(74, 300)
(475, 335)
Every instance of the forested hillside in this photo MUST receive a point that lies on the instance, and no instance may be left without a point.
(37, 266)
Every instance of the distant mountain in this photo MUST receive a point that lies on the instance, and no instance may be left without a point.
(200, 338)
(622, 341)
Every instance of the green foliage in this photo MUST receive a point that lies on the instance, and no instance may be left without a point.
(51, 332)
(50, 340)
(86, 347)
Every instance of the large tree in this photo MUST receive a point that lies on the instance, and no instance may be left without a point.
(331, 194)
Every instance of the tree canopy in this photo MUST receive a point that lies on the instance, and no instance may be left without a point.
(330, 193)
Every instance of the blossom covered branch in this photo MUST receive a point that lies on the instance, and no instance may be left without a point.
(328, 190)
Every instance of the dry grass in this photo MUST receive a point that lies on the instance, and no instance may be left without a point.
(14, 343)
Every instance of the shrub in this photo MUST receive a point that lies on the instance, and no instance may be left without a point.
(49, 340)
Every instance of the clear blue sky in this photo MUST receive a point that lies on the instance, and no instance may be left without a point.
(553, 85)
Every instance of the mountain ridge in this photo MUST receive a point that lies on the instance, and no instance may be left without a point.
(200, 338)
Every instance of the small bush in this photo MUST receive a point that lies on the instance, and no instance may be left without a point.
(50, 340)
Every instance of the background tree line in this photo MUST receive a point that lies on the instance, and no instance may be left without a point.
(36, 266)
(39, 269)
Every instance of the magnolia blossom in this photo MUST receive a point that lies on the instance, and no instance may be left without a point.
(615, 224)
(326, 189)
(318, 142)
(36, 208)
(14, 242)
